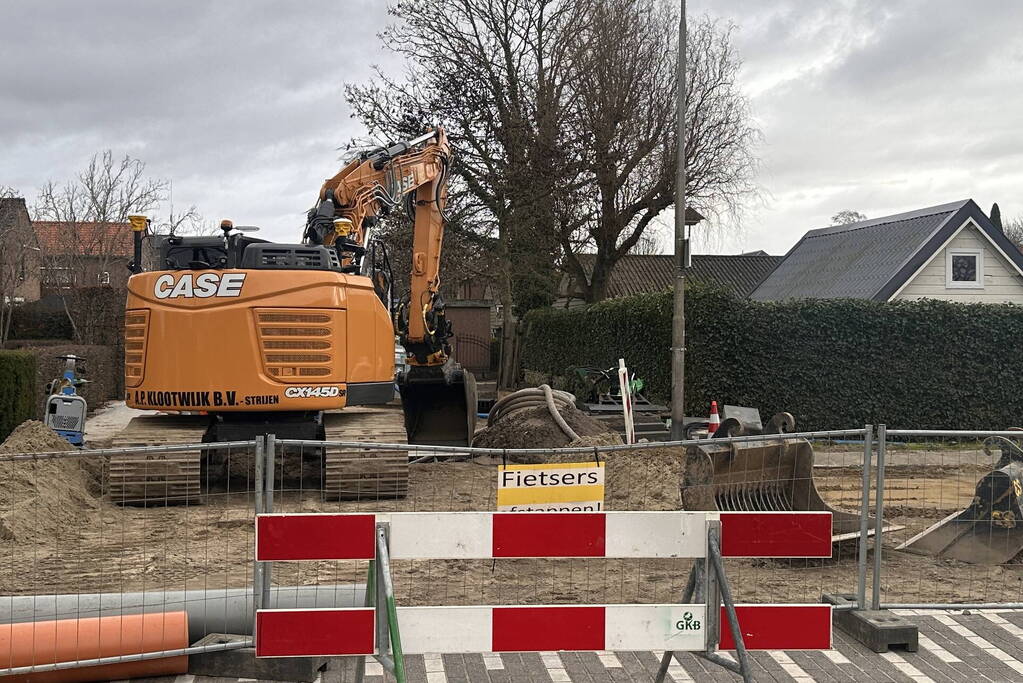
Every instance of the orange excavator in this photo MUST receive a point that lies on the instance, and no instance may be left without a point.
(235, 336)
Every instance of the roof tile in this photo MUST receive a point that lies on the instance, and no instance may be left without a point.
(854, 261)
(85, 238)
(639, 273)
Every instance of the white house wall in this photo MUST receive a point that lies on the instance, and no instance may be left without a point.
(1001, 281)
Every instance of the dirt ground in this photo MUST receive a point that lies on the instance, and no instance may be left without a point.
(89, 544)
(535, 428)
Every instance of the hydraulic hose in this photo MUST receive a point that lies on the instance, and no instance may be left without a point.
(524, 399)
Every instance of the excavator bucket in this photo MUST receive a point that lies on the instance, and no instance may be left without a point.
(771, 476)
(990, 530)
(439, 405)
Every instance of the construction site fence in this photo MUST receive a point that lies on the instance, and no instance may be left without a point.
(76, 543)
(922, 479)
(102, 550)
(643, 476)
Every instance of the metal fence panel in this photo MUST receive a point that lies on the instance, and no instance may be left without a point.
(930, 476)
(646, 476)
(98, 534)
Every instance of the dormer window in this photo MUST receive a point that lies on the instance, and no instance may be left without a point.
(964, 269)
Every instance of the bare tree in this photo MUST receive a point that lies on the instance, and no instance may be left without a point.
(847, 216)
(17, 256)
(495, 73)
(90, 237)
(1013, 229)
(625, 117)
(188, 222)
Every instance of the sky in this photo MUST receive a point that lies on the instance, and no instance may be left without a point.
(870, 105)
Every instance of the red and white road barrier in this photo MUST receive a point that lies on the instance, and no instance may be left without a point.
(486, 535)
(625, 388)
(451, 630)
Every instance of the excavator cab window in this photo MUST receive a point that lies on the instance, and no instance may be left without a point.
(192, 253)
(203, 253)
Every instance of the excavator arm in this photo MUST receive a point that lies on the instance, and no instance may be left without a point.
(438, 397)
(367, 189)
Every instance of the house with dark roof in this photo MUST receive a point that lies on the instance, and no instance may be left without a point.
(952, 252)
(641, 274)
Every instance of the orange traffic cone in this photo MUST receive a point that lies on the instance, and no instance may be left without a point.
(715, 419)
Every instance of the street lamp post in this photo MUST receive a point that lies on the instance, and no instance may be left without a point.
(678, 321)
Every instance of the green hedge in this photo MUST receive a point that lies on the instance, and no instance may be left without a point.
(832, 363)
(42, 319)
(17, 390)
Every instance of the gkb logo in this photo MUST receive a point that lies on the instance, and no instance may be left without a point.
(687, 623)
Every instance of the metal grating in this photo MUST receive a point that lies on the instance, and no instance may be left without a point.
(288, 336)
(136, 327)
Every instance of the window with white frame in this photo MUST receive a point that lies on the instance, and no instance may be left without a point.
(964, 269)
(104, 278)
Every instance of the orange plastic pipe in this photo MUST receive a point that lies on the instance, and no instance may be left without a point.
(68, 640)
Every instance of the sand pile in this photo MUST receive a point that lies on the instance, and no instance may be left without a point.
(647, 479)
(43, 500)
(643, 479)
(535, 428)
(32, 436)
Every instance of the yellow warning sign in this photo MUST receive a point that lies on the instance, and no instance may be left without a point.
(560, 487)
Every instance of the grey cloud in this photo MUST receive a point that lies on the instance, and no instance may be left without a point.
(870, 105)
(880, 106)
(239, 103)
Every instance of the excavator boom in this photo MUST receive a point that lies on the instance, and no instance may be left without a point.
(438, 396)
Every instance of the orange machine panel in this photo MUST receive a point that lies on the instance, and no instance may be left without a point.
(370, 331)
(252, 340)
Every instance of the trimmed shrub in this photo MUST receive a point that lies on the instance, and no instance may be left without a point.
(837, 363)
(17, 382)
(42, 319)
(98, 316)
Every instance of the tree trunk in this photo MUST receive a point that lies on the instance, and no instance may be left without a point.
(6, 313)
(603, 266)
(75, 333)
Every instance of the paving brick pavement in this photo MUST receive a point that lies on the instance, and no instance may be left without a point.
(977, 645)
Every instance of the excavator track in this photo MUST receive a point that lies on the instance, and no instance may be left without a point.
(147, 478)
(359, 474)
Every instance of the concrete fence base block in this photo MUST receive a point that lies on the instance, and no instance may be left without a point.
(242, 663)
(879, 630)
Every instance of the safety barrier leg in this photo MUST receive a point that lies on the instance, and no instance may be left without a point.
(687, 597)
(380, 586)
(269, 458)
(257, 566)
(708, 581)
